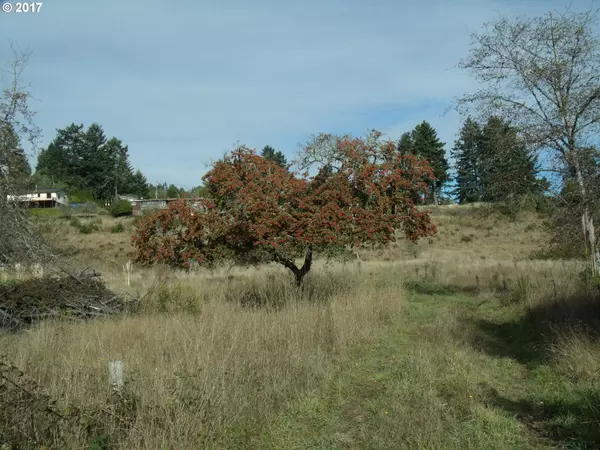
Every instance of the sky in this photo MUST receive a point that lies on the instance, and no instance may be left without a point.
(181, 83)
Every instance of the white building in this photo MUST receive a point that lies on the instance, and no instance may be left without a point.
(42, 198)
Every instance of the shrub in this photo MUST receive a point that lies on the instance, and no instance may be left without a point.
(545, 205)
(88, 228)
(75, 222)
(120, 208)
(118, 228)
(85, 227)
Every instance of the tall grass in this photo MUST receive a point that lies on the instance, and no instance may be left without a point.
(205, 368)
(240, 358)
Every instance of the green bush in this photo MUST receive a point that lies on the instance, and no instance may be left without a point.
(120, 208)
(118, 228)
(545, 205)
(88, 228)
(75, 222)
(526, 203)
(85, 227)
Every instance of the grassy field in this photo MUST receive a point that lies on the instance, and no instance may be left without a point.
(461, 342)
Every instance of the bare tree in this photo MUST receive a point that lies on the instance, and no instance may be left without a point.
(18, 239)
(543, 75)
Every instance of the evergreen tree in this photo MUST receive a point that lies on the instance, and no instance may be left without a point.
(493, 164)
(62, 159)
(270, 154)
(93, 163)
(405, 144)
(14, 162)
(119, 173)
(173, 191)
(427, 145)
(139, 185)
(467, 152)
(21, 170)
(507, 169)
(87, 160)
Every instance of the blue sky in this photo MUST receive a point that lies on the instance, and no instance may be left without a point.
(182, 82)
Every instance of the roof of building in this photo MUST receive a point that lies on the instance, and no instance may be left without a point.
(41, 190)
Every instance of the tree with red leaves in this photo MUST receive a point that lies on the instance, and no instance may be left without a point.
(261, 212)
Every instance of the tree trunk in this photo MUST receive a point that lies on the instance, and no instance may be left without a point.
(587, 223)
(435, 198)
(301, 272)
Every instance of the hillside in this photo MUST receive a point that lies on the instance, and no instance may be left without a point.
(469, 233)
(461, 342)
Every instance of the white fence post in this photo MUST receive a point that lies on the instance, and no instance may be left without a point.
(129, 271)
(116, 375)
(18, 270)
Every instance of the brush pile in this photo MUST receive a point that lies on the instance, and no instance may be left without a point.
(79, 295)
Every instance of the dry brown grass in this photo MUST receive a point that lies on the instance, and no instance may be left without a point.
(491, 236)
(101, 247)
(218, 376)
(216, 356)
(578, 355)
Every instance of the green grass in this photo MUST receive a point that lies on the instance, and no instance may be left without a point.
(453, 371)
(46, 212)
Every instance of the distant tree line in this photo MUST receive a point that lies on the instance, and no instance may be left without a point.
(94, 167)
(86, 160)
(493, 163)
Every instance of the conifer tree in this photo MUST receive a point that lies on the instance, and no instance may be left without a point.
(427, 145)
(493, 164)
(87, 160)
(405, 144)
(508, 170)
(270, 154)
(467, 152)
